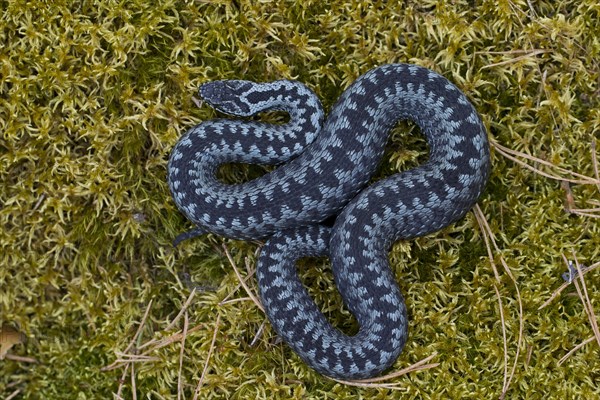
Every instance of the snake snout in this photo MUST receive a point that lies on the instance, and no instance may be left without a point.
(226, 96)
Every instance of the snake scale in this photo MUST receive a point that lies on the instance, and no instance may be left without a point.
(323, 168)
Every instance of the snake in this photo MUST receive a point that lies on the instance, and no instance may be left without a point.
(323, 167)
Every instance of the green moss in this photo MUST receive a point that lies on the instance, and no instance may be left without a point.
(94, 95)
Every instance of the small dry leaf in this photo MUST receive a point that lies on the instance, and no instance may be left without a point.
(569, 200)
(8, 338)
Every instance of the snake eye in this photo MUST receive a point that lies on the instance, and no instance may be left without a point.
(227, 96)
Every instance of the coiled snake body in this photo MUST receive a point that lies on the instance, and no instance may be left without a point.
(325, 165)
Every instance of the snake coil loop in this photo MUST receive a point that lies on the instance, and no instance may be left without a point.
(325, 165)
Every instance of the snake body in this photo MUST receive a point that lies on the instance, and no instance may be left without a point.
(324, 167)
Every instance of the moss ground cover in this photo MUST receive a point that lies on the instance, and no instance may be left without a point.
(93, 96)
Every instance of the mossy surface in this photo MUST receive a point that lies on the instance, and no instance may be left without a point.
(93, 96)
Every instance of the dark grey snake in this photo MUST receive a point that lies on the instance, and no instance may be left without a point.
(325, 166)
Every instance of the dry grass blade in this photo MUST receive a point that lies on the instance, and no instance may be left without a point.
(133, 358)
(513, 60)
(210, 351)
(595, 164)
(242, 280)
(504, 338)
(584, 214)
(133, 385)
(179, 377)
(258, 333)
(235, 289)
(391, 386)
(39, 202)
(13, 394)
(176, 337)
(17, 358)
(236, 300)
(587, 210)
(489, 238)
(507, 52)
(379, 382)
(170, 326)
(512, 155)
